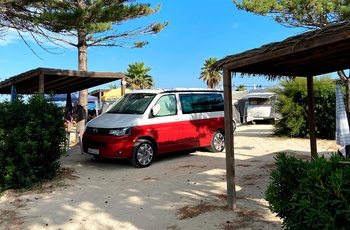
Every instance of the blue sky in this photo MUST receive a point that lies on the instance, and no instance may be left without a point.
(198, 29)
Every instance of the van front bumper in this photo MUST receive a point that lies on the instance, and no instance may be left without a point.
(108, 146)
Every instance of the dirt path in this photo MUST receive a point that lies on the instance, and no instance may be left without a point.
(186, 191)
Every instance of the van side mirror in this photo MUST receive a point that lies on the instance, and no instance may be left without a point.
(155, 109)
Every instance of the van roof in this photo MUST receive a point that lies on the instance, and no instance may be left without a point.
(166, 90)
(259, 93)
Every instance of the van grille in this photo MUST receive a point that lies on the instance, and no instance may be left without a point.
(94, 143)
(97, 131)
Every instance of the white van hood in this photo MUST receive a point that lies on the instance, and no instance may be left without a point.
(112, 120)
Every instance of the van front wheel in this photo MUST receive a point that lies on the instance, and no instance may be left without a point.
(217, 142)
(142, 154)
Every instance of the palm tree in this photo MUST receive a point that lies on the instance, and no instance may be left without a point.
(241, 88)
(212, 78)
(137, 77)
(112, 86)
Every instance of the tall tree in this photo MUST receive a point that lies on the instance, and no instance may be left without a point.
(81, 24)
(212, 78)
(137, 76)
(309, 14)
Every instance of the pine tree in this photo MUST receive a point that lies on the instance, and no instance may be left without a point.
(89, 22)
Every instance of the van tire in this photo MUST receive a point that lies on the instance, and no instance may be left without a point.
(234, 125)
(142, 154)
(217, 143)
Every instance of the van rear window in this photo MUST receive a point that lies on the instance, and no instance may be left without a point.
(198, 103)
(259, 101)
(135, 103)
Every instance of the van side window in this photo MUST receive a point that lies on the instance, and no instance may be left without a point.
(198, 103)
(167, 105)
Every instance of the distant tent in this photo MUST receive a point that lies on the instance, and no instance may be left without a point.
(74, 96)
(238, 105)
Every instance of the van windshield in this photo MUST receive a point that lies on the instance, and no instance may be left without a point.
(133, 103)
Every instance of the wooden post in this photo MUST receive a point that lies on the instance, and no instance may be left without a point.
(41, 84)
(123, 85)
(311, 115)
(230, 156)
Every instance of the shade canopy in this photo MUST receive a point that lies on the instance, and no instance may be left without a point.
(309, 54)
(58, 81)
(306, 55)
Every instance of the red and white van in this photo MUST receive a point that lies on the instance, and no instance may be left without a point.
(144, 123)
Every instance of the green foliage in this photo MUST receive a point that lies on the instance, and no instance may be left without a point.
(310, 195)
(94, 23)
(112, 86)
(31, 135)
(295, 13)
(212, 78)
(137, 76)
(241, 88)
(292, 106)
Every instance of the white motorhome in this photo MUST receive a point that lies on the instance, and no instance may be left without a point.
(259, 105)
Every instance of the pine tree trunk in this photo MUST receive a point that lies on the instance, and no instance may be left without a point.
(83, 94)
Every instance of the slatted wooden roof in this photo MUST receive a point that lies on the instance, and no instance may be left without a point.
(57, 80)
(309, 54)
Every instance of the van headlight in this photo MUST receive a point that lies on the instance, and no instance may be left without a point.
(120, 131)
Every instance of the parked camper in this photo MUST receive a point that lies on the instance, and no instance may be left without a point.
(145, 123)
(259, 105)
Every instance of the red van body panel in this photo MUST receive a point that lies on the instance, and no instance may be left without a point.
(169, 137)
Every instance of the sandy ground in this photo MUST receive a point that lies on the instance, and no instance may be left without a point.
(177, 192)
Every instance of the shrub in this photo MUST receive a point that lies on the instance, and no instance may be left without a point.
(310, 195)
(31, 134)
(292, 106)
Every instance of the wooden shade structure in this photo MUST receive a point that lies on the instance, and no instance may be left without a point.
(306, 55)
(58, 81)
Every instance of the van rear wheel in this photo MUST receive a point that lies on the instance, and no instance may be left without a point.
(142, 154)
(217, 142)
(234, 125)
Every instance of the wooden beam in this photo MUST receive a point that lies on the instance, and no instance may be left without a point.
(311, 115)
(229, 147)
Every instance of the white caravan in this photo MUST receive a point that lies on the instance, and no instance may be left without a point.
(259, 105)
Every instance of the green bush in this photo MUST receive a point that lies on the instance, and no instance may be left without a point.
(292, 106)
(31, 135)
(310, 195)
